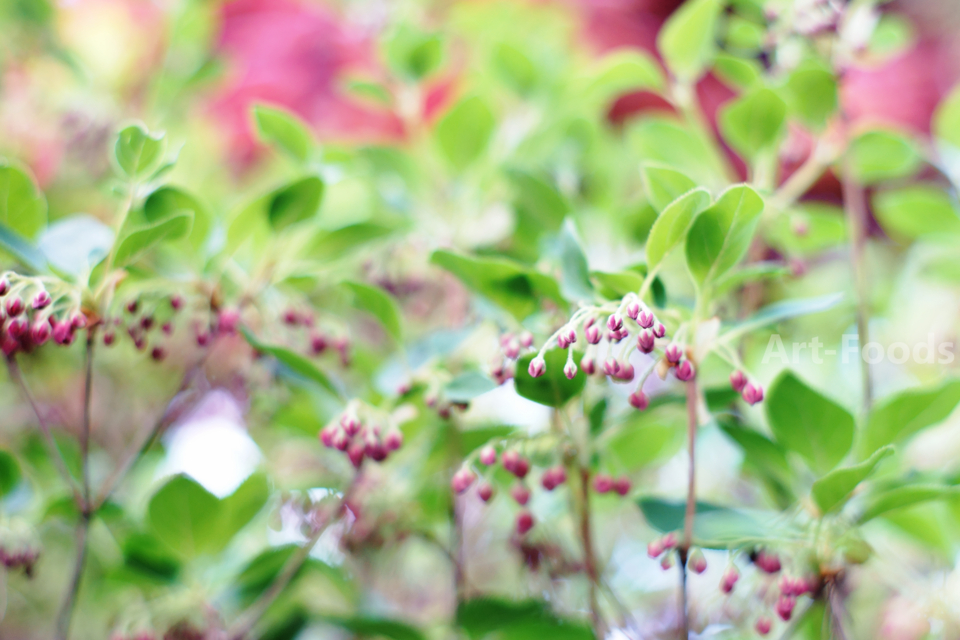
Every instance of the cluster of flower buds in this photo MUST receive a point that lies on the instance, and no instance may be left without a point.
(752, 392)
(21, 556)
(30, 316)
(790, 587)
(512, 346)
(602, 483)
(766, 561)
(318, 341)
(150, 323)
(359, 440)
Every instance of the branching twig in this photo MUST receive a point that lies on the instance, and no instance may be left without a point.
(73, 589)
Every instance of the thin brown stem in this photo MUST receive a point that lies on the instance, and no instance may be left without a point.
(691, 508)
(85, 429)
(855, 207)
(52, 449)
(73, 589)
(589, 559)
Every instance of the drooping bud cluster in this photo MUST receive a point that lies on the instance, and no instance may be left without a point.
(25, 326)
(20, 556)
(360, 439)
(602, 483)
(313, 339)
(752, 392)
(512, 346)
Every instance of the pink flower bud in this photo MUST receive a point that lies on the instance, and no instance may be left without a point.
(40, 332)
(351, 425)
(355, 452)
(553, 478)
(18, 327)
(228, 320)
(666, 562)
(62, 333)
(670, 540)
(537, 367)
(625, 373)
(176, 302)
(570, 334)
(738, 381)
(611, 367)
(167, 328)
(4, 286)
(645, 320)
(729, 579)
(520, 493)
(562, 341)
(622, 485)
(639, 400)
(685, 371)
(393, 440)
(570, 370)
(14, 306)
(462, 480)
(109, 337)
(673, 353)
(291, 317)
(697, 561)
(655, 548)
(510, 460)
(592, 334)
(645, 341)
(485, 491)
(633, 310)
(763, 625)
(752, 394)
(327, 435)
(146, 323)
(784, 607)
(9, 344)
(602, 483)
(341, 440)
(132, 306)
(41, 300)
(524, 522)
(659, 330)
(614, 322)
(512, 349)
(588, 365)
(78, 321)
(767, 562)
(526, 339)
(488, 455)
(158, 353)
(521, 468)
(203, 338)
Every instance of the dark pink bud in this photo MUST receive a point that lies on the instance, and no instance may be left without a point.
(526, 339)
(512, 349)
(355, 452)
(41, 300)
(485, 491)
(622, 485)
(537, 367)
(763, 625)
(351, 425)
(176, 302)
(570, 370)
(602, 483)
(666, 562)
(327, 435)
(645, 341)
(561, 342)
(625, 373)
(341, 440)
(203, 338)
(592, 334)
(510, 460)
(588, 365)
(670, 540)
(4, 286)
(520, 493)
(611, 367)
(673, 353)
(524, 522)
(738, 381)
(40, 332)
(697, 561)
(462, 480)
(638, 400)
(318, 343)
(655, 548)
(767, 562)
(109, 337)
(685, 371)
(376, 450)
(633, 310)
(393, 440)
(18, 327)
(132, 306)
(645, 320)
(62, 333)
(78, 321)
(158, 353)
(553, 478)
(659, 330)
(167, 328)
(784, 607)
(488, 455)
(14, 306)
(729, 579)
(228, 320)
(9, 344)
(291, 317)
(752, 394)
(521, 468)
(615, 322)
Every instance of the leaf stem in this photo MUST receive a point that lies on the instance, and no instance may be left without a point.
(855, 207)
(589, 559)
(73, 589)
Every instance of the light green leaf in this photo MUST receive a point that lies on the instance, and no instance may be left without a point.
(806, 422)
(671, 144)
(137, 151)
(946, 119)
(887, 500)
(330, 245)
(624, 71)
(811, 93)
(643, 438)
(465, 130)
(284, 130)
(295, 202)
(538, 200)
(515, 67)
(618, 284)
(9, 473)
(574, 273)
(917, 210)
(763, 454)
(721, 235)
(739, 73)
(896, 418)
(412, 53)
(687, 41)
(832, 490)
(553, 388)
(748, 273)
(140, 240)
(714, 527)
(753, 122)
(295, 362)
(807, 229)
(467, 386)
(489, 617)
(663, 184)
(779, 311)
(185, 516)
(379, 304)
(672, 225)
(167, 200)
(23, 209)
(876, 156)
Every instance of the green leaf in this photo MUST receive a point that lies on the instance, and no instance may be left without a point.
(779, 311)
(671, 144)
(686, 41)
(811, 93)
(672, 225)
(553, 388)
(465, 130)
(23, 209)
(896, 418)
(467, 386)
(137, 151)
(881, 502)
(140, 240)
(917, 210)
(721, 235)
(643, 439)
(413, 53)
(753, 122)
(239, 508)
(76, 243)
(663, 184)
(330, 245)
(597, 416)
(753, 272)
(714, 527)
(9, 472)
(516, 620)
(295, 362)
(761, 453)
(946, 119)
(508, 284)
(736, 72)
(167, 200)
(379, 304)
(22, 249)
(806, 422)
(295, 202)
(575, 282)
(823, 227)
(624, 71)
(145, 555)
(370, 627)
(876, 156)
(473, 439)
(515, 67)
(284, 130)
(618, 284)
(538, 200)
(832, 490)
